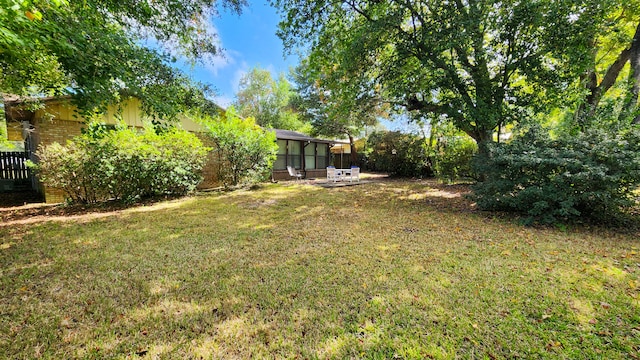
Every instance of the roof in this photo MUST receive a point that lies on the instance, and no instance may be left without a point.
(13, 99)
(293, 135)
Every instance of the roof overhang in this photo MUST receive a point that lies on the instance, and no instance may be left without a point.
(294, 135)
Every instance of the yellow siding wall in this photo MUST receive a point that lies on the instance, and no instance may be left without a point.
(130, 111)
(190, 125)
(64, 110)
(14, 131)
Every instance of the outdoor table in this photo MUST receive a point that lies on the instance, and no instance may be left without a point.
(342, 172)
(334, 174)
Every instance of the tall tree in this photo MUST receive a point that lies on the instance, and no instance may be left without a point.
(93, 49)
(267, 100)
(481, 64)
(335, 105)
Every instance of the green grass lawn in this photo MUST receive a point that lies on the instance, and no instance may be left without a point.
(382, 270)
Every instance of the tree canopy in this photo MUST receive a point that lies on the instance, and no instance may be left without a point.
(480, 64)
(334, 106)
(99, 50)
(268, 100)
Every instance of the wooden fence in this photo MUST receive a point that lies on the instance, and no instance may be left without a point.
(13, 165)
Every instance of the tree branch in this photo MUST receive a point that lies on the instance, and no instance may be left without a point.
(609, 78)
(631, 102)
(413, 103)
(593, 99)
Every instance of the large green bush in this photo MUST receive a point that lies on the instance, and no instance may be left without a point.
(244, 150)
(398, 154)
(454, 156)
(74, 170)
(590, 176)
(123, 164)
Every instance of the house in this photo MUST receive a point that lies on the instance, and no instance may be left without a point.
(309, 155)
(59, 121)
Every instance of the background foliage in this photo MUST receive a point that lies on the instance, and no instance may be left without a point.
(245, 151)
(268, 101)
(398, 154)
(453, 157)
(335, 106)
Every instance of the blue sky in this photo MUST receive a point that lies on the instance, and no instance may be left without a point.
(248, 40)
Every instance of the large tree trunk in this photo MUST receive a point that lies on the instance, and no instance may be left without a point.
(483, 138)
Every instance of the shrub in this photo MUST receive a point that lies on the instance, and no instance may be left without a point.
(123, 164)
(398, 154)
(589, 176)
(73, 169)
(245, 151)
(453, 160)
(152, 164)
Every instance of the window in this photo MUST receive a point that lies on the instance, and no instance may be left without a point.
(281, 157)
(294, 154)
(322, 158)
(310, 156)
(290, 153)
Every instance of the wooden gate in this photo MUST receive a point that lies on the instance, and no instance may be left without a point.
(14, 173)
(13, 165)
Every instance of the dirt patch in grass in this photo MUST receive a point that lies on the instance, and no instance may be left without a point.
(41, 212)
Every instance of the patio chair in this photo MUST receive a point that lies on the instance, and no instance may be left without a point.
(333, 174)
(355, 174)
(294, 173)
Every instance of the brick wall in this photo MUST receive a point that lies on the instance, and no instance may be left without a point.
(57, 130)
(48, 132)
(210, 170)
(53, 195)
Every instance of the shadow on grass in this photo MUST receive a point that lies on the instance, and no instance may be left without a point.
(40, 212)
(379, 270)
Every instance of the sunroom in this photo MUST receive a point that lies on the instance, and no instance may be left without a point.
(306, 154)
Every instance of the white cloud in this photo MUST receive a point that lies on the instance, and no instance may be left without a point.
(223, 100)
(272, 70)
(222, 60)
(215, 63)
(237, 75)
